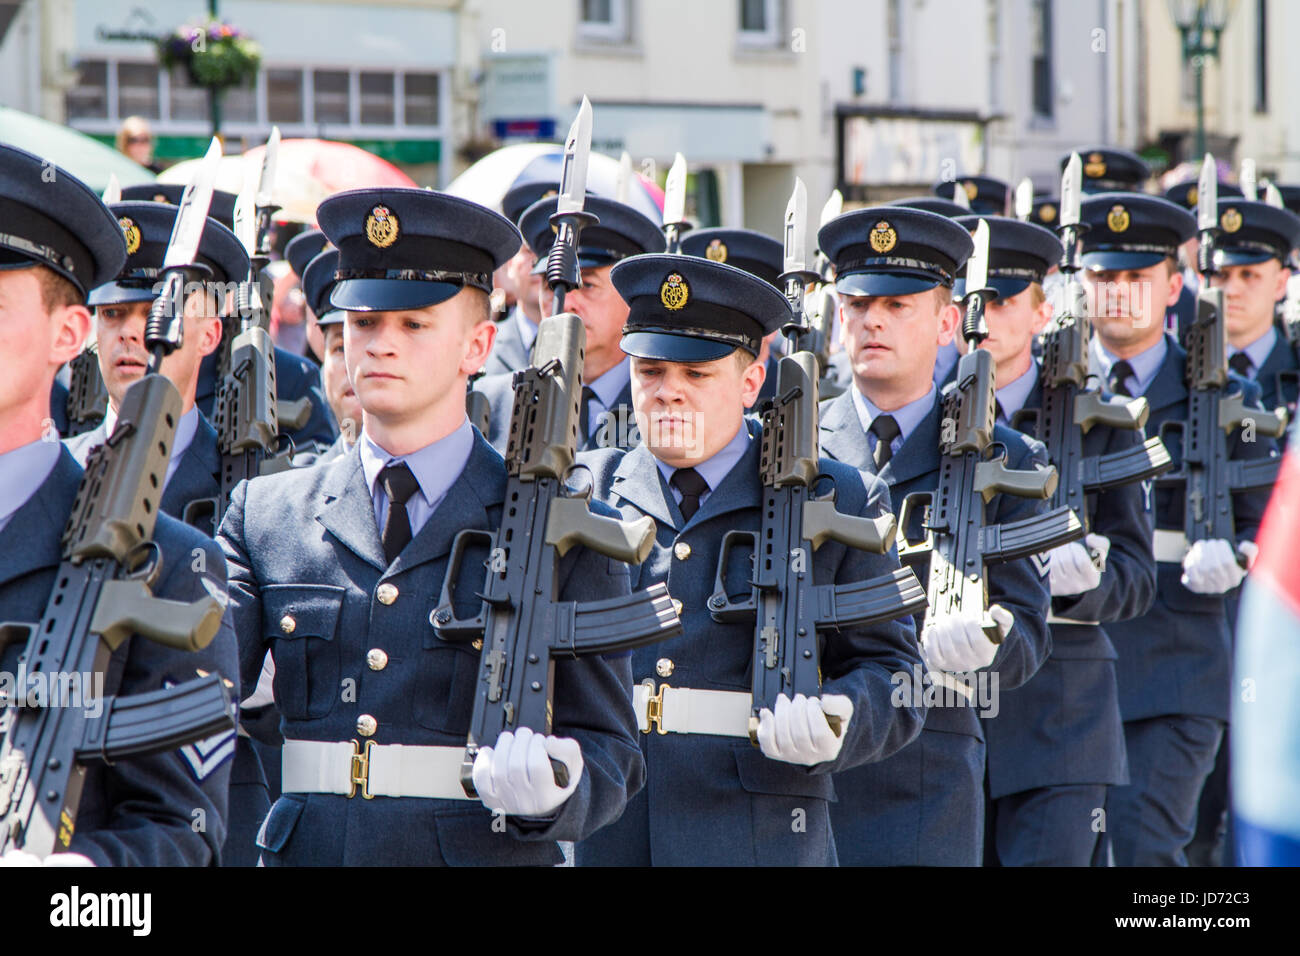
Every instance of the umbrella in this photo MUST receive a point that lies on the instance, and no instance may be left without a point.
(307, 172)
(88, 159)
(488, 180)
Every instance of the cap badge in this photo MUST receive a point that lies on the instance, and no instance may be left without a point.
(132, 233)
(1230, 220)
(1095, 167)
(1117, 219)
(674, 293)
(1047, 213)
(1192, 195)
(717, 251)
(381, 227)
(883, 237)
(971, 190)
(160, 197)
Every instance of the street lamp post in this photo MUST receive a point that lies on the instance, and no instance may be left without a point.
(1200, 25)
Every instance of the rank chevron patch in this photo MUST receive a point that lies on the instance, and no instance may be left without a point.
(206, 755)
(1042, 562)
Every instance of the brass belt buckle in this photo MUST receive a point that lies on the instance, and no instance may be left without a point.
(654, 707)
(360, 772)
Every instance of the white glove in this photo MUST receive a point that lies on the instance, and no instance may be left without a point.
(799, 732)
(957, 643)
(1210, 567)
(23, 858)
(1072, 569)
(515, 776)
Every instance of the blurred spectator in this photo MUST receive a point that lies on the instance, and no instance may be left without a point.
(135, 139)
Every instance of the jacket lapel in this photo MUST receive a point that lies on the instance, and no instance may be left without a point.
(741, 488)
(32, 538)
(1168, 387)
(348, 511)
(637, 481)
(841, 433)
(480, 486)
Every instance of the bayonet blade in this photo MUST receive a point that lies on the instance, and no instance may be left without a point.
(675, 192)
(1273, 195)
(573, 174)
(113, 191)
(246, 219)
(266, 185)
(959, 195)
(1072, 191)
(796, 224)
(192, 213)
(1247, 179)
(1207, 195)
(977, 266)
(1024, 199)
(834, 206)
(623, 186)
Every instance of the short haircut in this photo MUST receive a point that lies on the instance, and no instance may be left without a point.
(744, 358)
(1036, 294)
(480, 309)
(57, 291)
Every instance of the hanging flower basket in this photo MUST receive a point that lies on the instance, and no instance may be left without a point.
(215, 55)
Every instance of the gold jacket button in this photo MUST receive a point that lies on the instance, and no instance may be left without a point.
(664, 667)
(367, 725)
(287, 624)
(376, 659)
(386, 593)
(677, 606)
(681, 550)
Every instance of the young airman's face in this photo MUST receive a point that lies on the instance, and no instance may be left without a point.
(34, 343)
(687, 412)
(603, 313)
(1128, 306)
(404, 364)
(892, 340)
(119, 333)
(339, 392)
(1250, 292)
(1013, 322)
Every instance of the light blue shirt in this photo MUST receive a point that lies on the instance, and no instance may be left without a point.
(713, 470)
(1013, 395)
(1257, 351)
(186, 429)
(1145, 364)
(607, 388)
(527, 330)
(22, 472)
(436, 468)
(908, 417)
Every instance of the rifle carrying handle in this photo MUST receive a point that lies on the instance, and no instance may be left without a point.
(570, 522)
(994, 477)
(445, 623)
(821, 521)
(126, 607)
(910, 503)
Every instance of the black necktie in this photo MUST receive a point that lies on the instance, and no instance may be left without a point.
(1119, 376)
(1241, 364)
(584, 415)
(692, 486)
(399, 484)
(886, 429)
(998, 414)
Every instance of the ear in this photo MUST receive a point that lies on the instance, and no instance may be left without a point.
(751, 381)
(478, 346)
(1279, 290)
(71, 326)
(1042, 315)
(949, 319)
(209, 334)
(1175, 289)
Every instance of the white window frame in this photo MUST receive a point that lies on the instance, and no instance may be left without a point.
(615, 31)
(770, 35)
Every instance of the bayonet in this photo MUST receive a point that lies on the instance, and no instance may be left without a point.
(1024, 199)
(675, 203)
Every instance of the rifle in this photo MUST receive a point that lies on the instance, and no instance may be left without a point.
(102, 596)
(787, 607)
(246, 413)
(87, 394)
(521, 623)
(1205, 471)
(972, 470)
(1071, 405)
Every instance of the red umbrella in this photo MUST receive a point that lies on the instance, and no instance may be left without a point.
(307, 171)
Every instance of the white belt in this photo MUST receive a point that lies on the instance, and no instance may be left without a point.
(1170, 546)
(684, 710)
(387, 770)
(1057, 619)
